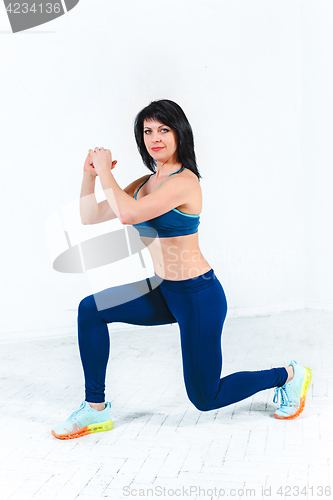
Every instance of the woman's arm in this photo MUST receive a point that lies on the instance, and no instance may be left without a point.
(172, 193)
(92, 212)
(88, 202)
(104, 211)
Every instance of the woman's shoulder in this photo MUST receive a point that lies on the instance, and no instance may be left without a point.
(190, 177)
(190, 185)
(185, 180)
(190, 174)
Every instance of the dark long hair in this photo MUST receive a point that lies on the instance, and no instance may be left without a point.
(171, 115)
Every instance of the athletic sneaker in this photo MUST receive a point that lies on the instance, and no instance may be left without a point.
(293, 393)
(84, 421)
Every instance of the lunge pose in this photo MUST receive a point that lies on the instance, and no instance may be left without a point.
(165, 207)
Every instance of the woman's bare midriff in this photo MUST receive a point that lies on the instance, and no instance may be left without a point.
(178, 257)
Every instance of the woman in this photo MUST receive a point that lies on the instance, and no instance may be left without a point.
(164, 207)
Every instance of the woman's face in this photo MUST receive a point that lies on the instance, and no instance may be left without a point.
(160, 141)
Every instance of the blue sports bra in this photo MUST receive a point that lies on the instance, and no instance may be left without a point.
(172, 223)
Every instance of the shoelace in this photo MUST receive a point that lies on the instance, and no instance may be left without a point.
(281, 391)
(76, 411)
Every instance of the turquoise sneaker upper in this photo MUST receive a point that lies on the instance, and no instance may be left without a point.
(292, 394)
(83, 416)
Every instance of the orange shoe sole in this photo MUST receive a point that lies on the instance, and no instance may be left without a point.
(88, 429)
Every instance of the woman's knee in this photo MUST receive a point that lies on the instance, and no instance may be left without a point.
(199, 402)
(87, 308)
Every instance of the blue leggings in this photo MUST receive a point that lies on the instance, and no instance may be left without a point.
(199, 307)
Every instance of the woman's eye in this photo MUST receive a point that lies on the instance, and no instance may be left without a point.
(163, 130)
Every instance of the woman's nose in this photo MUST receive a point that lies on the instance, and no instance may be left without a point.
(156, 138)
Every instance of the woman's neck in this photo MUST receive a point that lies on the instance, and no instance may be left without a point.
(164, 170)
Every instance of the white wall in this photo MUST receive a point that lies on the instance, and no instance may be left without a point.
(236, 68)
(317, 71)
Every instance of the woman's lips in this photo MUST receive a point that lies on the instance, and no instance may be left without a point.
(157, 149)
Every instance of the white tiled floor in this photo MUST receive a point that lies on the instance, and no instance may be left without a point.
(160, 443)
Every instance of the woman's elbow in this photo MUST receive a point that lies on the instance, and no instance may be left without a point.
(125, 217)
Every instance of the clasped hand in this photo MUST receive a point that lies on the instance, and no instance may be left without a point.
(101, 160)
